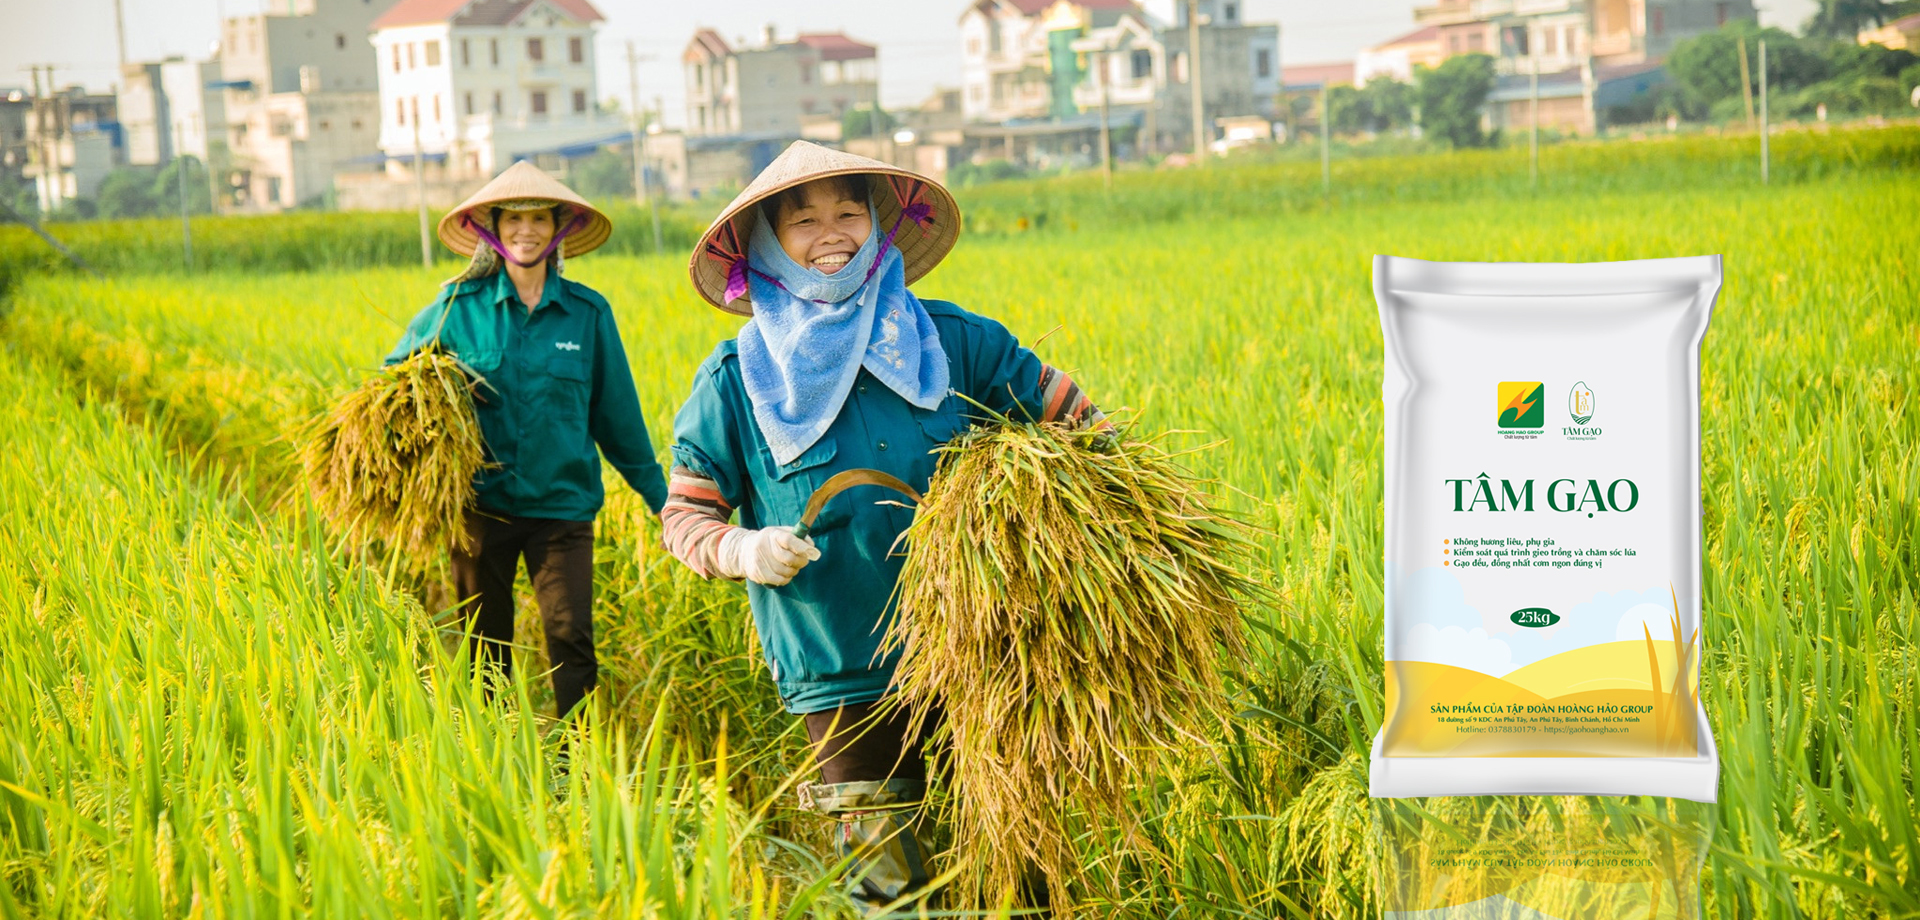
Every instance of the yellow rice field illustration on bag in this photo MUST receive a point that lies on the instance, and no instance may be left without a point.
(1621, 699)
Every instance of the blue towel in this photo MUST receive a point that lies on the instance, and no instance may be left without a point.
(811, 332)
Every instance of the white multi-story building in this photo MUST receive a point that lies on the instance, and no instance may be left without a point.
(1035, 59)
(486, 82)
(1562, 34)
(170, 108)
(779, 87)
(299, 89)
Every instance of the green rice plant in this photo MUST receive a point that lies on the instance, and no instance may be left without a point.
(1067, 603)
(209, 712)
(394, 459)
(1234, 300)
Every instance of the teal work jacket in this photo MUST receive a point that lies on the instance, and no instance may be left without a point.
(822, 632)
(556, 385)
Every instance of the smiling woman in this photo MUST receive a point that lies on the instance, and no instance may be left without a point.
(823, 223)
(556, 394)
(841, 367)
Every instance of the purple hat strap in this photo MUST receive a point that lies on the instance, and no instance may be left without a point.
(579, 221)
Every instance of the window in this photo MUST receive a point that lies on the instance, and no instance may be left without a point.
(1233, 12)
(1659, 21)
(830, 72)
(700, 76)
(579, 100)
(493, 52)
(469, 101)
(536, 51)
(339, 40)
(1142, 61)
(436, 107)
(576, 51)
(993, 37)
(356, 124)
(539, 101)
(973, 47)
(1476, 42)
(498, 105)
(400, 111)
(412, 61)
(1513, 41)
(1720, 14)
(433, 54)
(1263, 63)
(1549, 41)
(806, 72)
(396, 58)
(466, 53)
(325, 124)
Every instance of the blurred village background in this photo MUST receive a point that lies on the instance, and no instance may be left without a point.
(376, 105)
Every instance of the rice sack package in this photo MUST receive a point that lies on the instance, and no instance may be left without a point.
(1542, 486)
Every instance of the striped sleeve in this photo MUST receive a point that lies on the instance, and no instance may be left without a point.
(694, 519)
(1062, 399)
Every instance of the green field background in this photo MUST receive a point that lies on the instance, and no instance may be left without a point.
(209, 708)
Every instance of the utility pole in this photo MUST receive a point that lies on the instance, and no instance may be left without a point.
(120, 36)
(1746, 84)
(641, 194)
(46, 107)
(1193, 79)
(1106, 142)
(653, 202)
(420, 188)
(1533, 126)
(1326, 142)
(180, 182)
(1764, 178)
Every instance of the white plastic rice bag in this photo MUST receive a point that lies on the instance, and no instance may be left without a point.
(1543, 528)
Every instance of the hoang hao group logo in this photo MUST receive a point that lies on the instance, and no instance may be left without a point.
(1522, 405)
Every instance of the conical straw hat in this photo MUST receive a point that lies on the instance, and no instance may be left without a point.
(522, 181)
(923, 238)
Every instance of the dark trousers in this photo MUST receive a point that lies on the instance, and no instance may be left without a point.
(851, 746)
(559, 556)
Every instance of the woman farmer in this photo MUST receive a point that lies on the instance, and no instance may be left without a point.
(838, 367)
(554, 384)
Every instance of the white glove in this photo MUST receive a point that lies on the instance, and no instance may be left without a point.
(770, 556)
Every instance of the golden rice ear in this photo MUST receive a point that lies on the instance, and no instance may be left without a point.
(393, 460)
(1070, 600)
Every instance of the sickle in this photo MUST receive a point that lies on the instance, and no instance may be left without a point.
(841, 482)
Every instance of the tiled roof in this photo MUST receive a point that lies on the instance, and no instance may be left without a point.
(708, 41)
(416, 12)
(835, 46)
(475, 12)
(1309, 74)
(1036, 7)
(1417, 36)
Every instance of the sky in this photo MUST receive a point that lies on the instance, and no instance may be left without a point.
(918, 39)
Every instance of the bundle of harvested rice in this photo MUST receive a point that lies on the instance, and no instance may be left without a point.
(394, 459)
(1068, 600)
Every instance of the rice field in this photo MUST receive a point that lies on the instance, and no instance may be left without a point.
(213, 708)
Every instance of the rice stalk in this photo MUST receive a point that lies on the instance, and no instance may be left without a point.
(394, 459)
(1066, 600)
